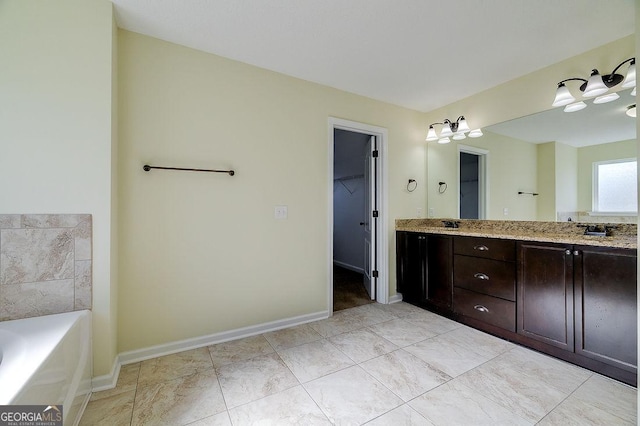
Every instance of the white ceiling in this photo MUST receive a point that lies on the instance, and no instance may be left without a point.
(420, 54)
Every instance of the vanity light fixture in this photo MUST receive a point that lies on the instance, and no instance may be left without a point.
(595, 87)
(631, 111)
(455, 130)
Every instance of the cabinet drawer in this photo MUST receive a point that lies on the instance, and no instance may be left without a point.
(488, 248)
(491, 310)
(487, 276)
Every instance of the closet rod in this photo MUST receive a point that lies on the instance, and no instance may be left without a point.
(147, 167)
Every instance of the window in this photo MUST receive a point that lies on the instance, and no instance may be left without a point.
(615, 186)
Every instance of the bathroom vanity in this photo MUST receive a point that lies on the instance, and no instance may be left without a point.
(544, 285)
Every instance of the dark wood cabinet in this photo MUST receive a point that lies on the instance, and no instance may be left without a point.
(424, 271)
(545, 293)
(605, 305)
(578, 303)
(484, 280)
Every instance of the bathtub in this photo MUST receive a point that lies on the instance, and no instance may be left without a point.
(47, 361)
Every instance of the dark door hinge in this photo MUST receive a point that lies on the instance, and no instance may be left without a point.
(375, 154)
(374, 273)
(375, 213)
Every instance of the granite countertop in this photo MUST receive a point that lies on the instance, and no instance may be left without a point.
(624, 236)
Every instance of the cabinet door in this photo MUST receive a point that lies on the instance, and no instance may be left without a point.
(606, 308)
(545, 293)
(411, 265)
(439, 285)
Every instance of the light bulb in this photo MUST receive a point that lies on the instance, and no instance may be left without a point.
(595, 85)
(563, 96)
(475, 133)
(630, 78)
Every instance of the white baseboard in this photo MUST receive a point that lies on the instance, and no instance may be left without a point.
(348, 266)
(395, 298)
(109, 381)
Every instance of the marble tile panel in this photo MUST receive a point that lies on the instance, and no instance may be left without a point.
(9, 221)
(127, 381)
(400, 332)
(35, 299)
(114, 410)
(293, 336)
(253, 379)
(362, 345)
(401, 416)
(82, 239)
(52, 220)
(170, 367)
(404, 374)
(456, 404)
(446, 355)
(611, 396)
(239, 350)
(33, 255)
(220, 419)
(341, 322)
(82, 285)
(479, 342)
(524, 396)
(290, 407)
(573, 412)
(553, 372)
(179, 401)
(351, 396)
(432, 322)
(315, 359)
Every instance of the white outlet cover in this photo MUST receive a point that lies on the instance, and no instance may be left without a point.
(280, 212)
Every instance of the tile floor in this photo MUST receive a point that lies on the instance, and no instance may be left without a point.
(374, 364)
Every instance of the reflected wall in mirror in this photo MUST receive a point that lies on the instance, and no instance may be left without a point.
(551, 154)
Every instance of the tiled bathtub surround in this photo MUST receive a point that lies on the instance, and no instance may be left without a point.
(45, 264)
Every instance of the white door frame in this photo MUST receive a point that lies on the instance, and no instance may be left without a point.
(483, 178)
(382, 286)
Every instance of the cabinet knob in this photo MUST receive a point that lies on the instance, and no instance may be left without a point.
(567, 252)
(481, 276)
(576, 253)
(481, 248)
(481, 308)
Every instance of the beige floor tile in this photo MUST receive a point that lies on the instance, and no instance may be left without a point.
(253, 379)
(340, 322)
(524, 396)
(369, 314)
(401, 416)
(351, 396)
(171, 367)
(400, 309)
(611, 396)
(109, 411)
(573, 412)
(362, 345)
(404, 374)
(432, 322)
(293, 336)
(127, 381)
(239, 350)
(479, 342)
(455, 404)
(445, 355)
(315, 359)
(290, 407)
(401, 333)
(179, 401)
(220, 419)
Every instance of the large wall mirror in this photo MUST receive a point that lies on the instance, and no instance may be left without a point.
(571, 147)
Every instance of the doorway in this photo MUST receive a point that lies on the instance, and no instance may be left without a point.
(472, 182)
(357, 267)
